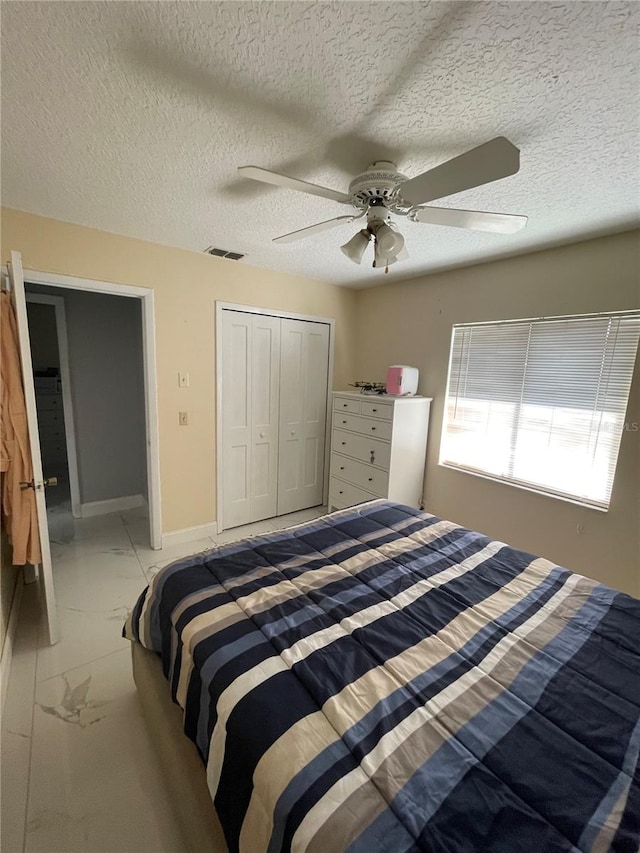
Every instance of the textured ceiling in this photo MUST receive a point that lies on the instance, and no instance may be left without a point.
(132, 117)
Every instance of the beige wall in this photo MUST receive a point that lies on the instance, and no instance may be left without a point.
(410, 323)
(187, 285)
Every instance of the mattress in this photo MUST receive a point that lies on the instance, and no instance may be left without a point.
(382, 680)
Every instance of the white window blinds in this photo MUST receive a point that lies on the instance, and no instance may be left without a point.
(541, 403)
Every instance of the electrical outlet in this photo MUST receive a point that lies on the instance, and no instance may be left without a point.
(183, 419)
(183, 380)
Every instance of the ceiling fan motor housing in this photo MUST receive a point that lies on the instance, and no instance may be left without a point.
(380, 182)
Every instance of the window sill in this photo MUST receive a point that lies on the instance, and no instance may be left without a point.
(522, 487)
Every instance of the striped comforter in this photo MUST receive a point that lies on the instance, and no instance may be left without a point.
(381, 681)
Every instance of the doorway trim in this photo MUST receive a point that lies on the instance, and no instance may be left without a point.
(146, 295)
(65, 381)
(286, 315)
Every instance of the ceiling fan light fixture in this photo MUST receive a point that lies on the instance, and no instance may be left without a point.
(389, 240)
(355, 248)
(381, 259)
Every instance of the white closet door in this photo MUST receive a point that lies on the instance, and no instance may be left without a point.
(236, 417)
(265, 387)
(250, 388)
(304, 365)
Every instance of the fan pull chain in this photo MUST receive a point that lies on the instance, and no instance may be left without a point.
(386, 269)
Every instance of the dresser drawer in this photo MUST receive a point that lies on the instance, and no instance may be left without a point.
(360, 474)
(361, 447)
(344, 494)
(51, 421)
(365, 426)
(48, 402)
(373, 409)
(344, 404)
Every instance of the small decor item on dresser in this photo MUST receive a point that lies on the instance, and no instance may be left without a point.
(369, 387)
(402, 380)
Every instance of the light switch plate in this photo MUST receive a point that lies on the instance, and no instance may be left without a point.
(183, 380)
(183, 419)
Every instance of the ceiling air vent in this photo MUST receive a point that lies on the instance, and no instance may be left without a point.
(224, 253)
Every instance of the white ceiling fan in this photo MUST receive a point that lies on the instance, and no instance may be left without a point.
(382, 190)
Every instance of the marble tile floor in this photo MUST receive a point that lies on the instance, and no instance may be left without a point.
(78, 768)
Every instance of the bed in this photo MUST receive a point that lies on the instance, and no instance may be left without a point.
(382, 680)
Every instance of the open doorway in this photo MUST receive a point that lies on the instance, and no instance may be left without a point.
(93, 356)
(87, 356)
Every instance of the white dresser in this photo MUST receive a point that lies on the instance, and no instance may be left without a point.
(378, 449)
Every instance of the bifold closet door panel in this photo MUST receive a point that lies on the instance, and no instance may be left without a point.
(250, 377)
(236, 417)
(304, 365)
(265, 387)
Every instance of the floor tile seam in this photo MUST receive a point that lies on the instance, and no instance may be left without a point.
(135, 550)
(79, 666)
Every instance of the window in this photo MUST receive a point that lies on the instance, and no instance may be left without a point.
(541, 403)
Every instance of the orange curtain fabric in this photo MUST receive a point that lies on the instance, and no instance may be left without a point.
(18, 507)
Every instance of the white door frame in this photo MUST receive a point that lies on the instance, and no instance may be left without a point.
(67, 405)
(146, 295)
(287, 315)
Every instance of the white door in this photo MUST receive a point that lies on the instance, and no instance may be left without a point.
(265, 391)
(45, 576)
(304, 368)
(250, 388)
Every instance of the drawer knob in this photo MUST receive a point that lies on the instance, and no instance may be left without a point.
(374, 410)
(344, 405)
(340, 492)
(344, 422)
(373, 429)
(343, 443)
(373, 456)
(371, 479)
(342, 467)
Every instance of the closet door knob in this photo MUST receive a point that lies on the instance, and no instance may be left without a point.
(261, 435)
(293, 432)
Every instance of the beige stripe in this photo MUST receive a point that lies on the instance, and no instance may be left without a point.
(393, 760)
(348, 820)
(195, 598)
(206, 624)
(247, 577)
(229, 698)
(267, 597)
(360, 696)
(292, 751)
(325, 636)
(319, 813)
(604, 838)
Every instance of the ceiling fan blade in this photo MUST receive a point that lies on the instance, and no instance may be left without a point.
(314, 229)
(476, 220)
(267, 177)
(403, 255)
(482, 165)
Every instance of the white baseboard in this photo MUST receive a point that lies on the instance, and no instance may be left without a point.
(187, 534)
(9, 640)
(112, 505)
